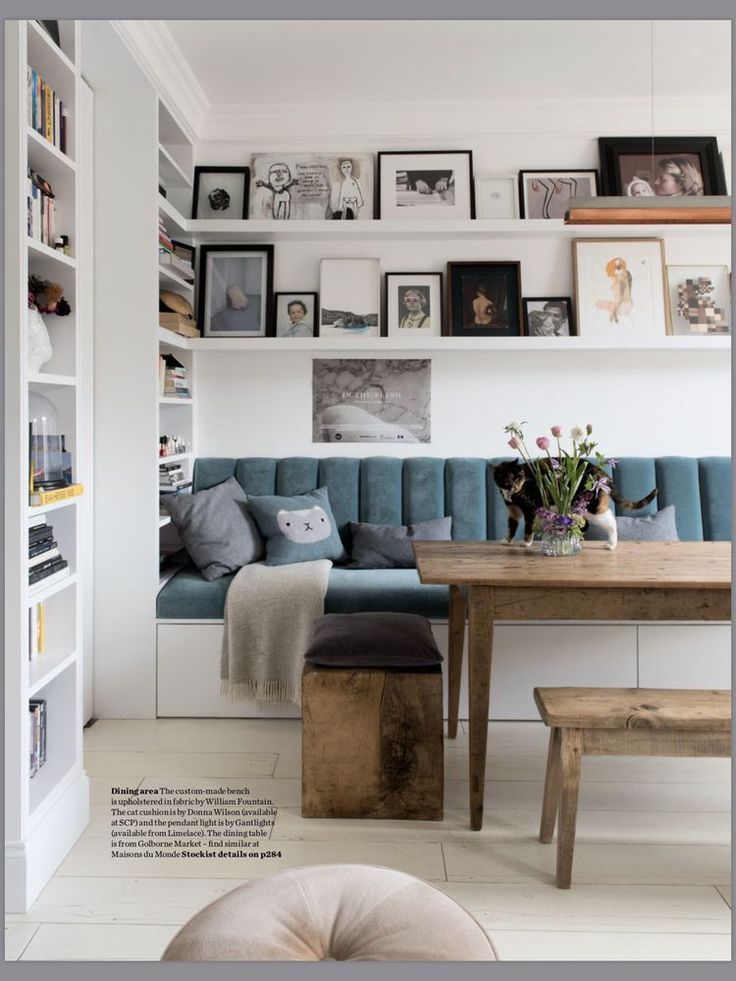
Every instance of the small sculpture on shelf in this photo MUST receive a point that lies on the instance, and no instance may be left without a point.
(43, 297)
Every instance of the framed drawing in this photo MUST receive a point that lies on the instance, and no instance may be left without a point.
(496, 197)
(548, 316)
(311, 186)
(234, 290)
(220, 192)
(426, 184)
(547, 193)
(295, 314)
(620, 288)
(484, 299)
(350, 298)
(666, 166)
(700, 299)
(413, 304)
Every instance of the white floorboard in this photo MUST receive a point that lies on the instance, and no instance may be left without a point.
(651, 877)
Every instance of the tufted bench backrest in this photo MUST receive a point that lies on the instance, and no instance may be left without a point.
(391, 491)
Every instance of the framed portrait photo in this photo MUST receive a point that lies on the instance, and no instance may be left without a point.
(426, 184)
(547, 193)
(620, 288)
(700, 300)
(484, 299)
(234, 290)
(350, 298)
(413, 304)
(662, 166)
(311, 186)
(548, 316)
(296, 314)
(496, 197)
(220, 192)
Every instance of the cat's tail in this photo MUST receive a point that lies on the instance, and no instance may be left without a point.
(633, 505)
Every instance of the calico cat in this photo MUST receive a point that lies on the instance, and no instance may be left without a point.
(516, 482)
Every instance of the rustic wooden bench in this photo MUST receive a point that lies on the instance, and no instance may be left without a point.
(619, 722)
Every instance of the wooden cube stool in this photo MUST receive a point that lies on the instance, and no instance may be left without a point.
(619, 722)
(372, 741)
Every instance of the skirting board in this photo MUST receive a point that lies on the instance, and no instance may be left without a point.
(525, 655)
(30, 864)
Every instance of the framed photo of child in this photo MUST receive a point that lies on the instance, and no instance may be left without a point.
(296, 314)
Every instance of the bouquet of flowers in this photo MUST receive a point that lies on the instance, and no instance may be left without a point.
(566, 482)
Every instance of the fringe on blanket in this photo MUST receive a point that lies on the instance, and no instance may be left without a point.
(261, 691)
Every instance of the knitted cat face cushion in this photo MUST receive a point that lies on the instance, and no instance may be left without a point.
(299, 528)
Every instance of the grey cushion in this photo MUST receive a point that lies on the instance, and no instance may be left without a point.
(373, 640)
(390, 546)
(298, 529)
(658, 527)
(217, 528)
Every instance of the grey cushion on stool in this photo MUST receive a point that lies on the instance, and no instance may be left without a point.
(332, 912)
(373, 640)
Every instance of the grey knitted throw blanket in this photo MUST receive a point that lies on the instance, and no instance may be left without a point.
(269, 618)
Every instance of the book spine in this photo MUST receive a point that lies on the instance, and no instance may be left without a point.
(49, 117)
(54, 496)
(43, 558)
(56, 121)
(49, 576)
(64, 127)
(33, 631)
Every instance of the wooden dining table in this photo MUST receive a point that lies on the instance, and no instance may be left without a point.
(489, 582)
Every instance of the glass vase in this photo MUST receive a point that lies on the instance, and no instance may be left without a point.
(559, 545)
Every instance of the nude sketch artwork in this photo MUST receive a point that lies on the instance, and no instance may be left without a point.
(621, 282)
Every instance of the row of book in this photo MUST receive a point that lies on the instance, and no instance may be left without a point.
(40, 208)
(173, 378)
(170, 255)
(37, 720)
(45, 112)
(45, 562)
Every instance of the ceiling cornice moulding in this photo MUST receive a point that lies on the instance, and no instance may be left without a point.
(154, 48)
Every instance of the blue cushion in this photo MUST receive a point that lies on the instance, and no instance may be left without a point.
(187, 596)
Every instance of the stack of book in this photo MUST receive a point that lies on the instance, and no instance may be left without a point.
(173, 378)
(45, 112)
(37, 719)
(172, 479)
(172, 261)
(39, 208)
(45, 562)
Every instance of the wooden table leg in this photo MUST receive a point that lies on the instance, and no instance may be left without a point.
(480, 646)
(551, 787)
(571, 750)
(456, 632)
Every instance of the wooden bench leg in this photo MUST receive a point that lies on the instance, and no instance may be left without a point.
(456, 631)
(551, 787)
(571, 749)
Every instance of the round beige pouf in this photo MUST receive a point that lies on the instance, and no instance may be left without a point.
(332, 912)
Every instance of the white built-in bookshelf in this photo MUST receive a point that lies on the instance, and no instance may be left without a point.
(46, 810)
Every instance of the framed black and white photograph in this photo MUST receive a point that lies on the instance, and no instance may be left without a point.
(547, 193)
(426, 184)
(700, 300)
(234, 290)
(496, 197)
(548, 316)
(661, 166)
(221, 192)
(484, 299)
(413, 304)
(295, 314)
(350, 298)
(371, 400)
(311, 186)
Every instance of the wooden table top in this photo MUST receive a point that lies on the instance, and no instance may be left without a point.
(632, 565)
(635, 708)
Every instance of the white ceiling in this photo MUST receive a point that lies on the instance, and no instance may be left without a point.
(261, 63)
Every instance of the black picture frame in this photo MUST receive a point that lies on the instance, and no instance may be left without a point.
(501, 281)
(382, 173)
(243, 172)
(551, 174)
(617, 180)
(209, 293)
(52, 29)
(297, 295)
(548, 329)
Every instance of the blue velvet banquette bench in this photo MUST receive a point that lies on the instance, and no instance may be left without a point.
(391, 491)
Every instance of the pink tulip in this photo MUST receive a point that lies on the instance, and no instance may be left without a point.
(514, 443)
(542, 442)
(556, 431)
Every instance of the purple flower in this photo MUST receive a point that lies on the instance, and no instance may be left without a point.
(612, 463)
(514, 443)
(556, 431)
(600, 485)
(554, 463)
(542, 442)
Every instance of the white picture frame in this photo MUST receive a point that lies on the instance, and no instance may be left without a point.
(702, 312)
(620, 288)
(350, 298)
(496, 197)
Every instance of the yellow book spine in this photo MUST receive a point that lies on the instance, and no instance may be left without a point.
(49, 107)
(54, 496)
(41, 629)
